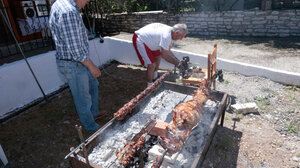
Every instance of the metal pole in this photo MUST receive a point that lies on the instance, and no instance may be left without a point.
(12, 33)
(4, 8)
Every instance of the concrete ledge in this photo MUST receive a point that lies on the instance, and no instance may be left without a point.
(284, 77)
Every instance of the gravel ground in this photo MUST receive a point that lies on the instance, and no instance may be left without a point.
(269, 137)
(278, 104)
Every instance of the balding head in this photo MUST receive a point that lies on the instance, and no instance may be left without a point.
(179, 31)
(180, 27)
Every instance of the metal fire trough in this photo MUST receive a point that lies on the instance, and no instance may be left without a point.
(77, 157)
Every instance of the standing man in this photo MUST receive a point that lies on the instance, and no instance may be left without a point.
(72, 57)
(153, 42)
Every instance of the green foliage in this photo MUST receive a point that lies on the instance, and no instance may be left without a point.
(292, 88)
(268, 90)
(262, 100)
(292, 129)
(240, 116)
(226, 82)
(292, 97)
(277, 144)
(118, 6)
(136, 5)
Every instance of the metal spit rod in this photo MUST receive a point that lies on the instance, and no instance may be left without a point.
(91, 137)
(161, 159)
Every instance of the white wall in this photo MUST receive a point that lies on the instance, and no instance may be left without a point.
(18, 87)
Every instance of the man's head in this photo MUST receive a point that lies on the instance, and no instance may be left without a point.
(179, 31)
(81, 3)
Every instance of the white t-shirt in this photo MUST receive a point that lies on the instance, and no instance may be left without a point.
(156, 36)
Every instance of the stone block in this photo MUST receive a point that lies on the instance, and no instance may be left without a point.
(157, 150)
(160, 129)
(245, 108)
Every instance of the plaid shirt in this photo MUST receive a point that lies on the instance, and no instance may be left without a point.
(68, 31)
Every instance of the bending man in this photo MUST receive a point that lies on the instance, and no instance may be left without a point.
(153, 42)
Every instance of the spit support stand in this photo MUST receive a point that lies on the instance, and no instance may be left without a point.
(79, 129)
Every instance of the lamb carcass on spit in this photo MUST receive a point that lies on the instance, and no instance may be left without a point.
(186, 116)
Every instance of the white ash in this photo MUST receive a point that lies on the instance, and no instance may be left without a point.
(186, 157)
(158, 107)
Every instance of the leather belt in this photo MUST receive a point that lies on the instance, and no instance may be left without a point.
(65, 59)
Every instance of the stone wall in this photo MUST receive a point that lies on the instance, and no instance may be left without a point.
(270, 23)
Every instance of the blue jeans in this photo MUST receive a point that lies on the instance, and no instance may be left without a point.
(84, 89)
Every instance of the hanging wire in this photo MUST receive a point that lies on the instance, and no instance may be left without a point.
(17, 43)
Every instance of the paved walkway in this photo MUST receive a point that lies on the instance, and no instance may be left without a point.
(276, 53)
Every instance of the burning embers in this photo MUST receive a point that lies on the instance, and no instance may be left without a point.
(129, 151)
(185, 117)
(135, 154)
(126, 143)
(127, 108)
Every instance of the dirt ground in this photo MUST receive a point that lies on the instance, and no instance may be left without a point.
(42, 135)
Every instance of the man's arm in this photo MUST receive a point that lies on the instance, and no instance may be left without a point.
(76, 41)
(95, 71)
(170, 57)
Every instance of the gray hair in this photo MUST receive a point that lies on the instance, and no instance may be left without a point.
(180, 27)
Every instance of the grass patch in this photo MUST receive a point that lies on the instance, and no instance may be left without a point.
(292, 97)
(240, 116)
(226, 82)
(262, 100)
(278, 144)
(292, 129)
(268, 90)
(292, 88)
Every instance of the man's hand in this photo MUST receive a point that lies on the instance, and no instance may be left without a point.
(95, 71)
(178, 63)
(180, 66)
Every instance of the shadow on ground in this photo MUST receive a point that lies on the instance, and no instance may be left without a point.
(224, 149)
